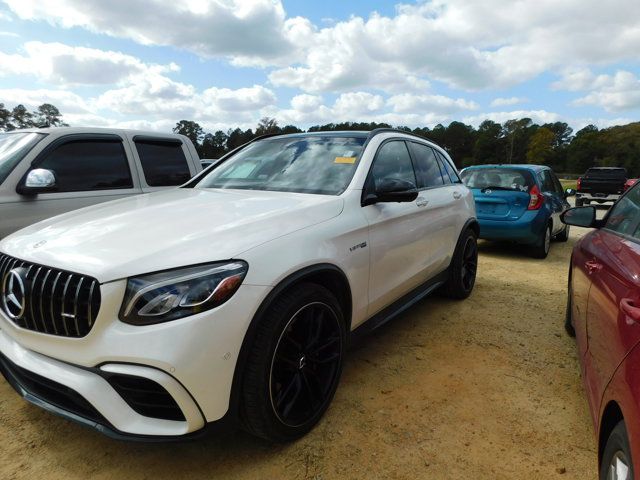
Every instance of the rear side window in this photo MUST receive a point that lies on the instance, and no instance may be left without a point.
(624, 217)
(500, 177)
(393, 161)
(446, 165)
(428, 172)
(86, 165)
(547, 181)
(163, 163)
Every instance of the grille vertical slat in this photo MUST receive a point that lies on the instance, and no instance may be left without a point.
(58, 302)
(42, 316)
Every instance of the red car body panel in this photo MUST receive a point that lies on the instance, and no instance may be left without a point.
(605, 289)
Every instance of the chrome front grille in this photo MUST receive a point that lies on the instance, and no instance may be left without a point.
(54, 301)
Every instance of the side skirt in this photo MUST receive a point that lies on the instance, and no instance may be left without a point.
(403, 303)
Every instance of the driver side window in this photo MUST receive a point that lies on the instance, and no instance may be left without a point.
(392, 161)
(624, 217)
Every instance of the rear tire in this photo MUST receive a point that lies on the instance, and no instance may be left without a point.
(616, 458)
(464, 267)
(541, 248)
(294, 364)
(563, 236)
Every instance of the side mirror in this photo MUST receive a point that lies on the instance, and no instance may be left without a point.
(392, 190)
(580, 217)
(39, 180)
(569, 192)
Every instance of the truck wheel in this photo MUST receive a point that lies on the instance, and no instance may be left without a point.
(294, 365)
(464, 266)
(541, 248)
(616, 458)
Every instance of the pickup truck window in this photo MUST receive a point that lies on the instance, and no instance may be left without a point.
(86, 165)
(13, 148)
(163, 163)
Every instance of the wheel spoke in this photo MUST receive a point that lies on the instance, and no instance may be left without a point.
(283, 393)
(294, 399)
(313, 396)
(328, 343)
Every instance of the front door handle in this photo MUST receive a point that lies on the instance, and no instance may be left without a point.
(457, 195)
(630, 309)
(422, 202)
(593, 266)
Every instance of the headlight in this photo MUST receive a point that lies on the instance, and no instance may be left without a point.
(169, 295)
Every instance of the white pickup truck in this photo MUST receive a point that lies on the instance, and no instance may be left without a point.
(46, 172)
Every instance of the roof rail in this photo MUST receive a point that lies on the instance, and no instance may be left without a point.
(378, 131)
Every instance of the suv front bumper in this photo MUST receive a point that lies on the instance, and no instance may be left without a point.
(193, 360)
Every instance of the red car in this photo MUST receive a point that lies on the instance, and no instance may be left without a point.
(603, 312)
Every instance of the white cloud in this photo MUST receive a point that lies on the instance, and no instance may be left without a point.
(61, 64)
(504, 102)
(67, 102)
(538, 116)
(613, 93)
(358, 103)
(306, 103)
(206, 27)
(408, 103)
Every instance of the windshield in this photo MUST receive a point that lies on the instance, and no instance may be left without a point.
(13, 147)
(497, 178)
(313, 164)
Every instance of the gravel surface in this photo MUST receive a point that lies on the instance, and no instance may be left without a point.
(486, 388)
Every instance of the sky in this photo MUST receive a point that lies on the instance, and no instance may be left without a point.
(227, 63)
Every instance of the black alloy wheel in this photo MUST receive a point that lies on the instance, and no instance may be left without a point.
(469, 263)
(305, 364)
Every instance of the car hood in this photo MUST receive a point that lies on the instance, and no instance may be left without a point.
(169, 229)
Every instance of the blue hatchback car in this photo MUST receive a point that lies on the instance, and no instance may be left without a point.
(520, 203)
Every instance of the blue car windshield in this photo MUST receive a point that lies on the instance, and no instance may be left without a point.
(302, 164)
(499, 178)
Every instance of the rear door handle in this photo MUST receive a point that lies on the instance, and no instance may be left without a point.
(629, 308)
(457, 195)
(593, 266)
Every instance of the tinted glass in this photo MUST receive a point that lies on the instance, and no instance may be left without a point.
(312, 164)
(624, 217)
(393, 161)
(89, 165)
(426, 165)
(163, 163)
(13, 148)
(547, 182)
(499, 177)
(453, 175)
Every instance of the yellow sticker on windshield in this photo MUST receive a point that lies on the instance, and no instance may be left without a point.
(345, 160)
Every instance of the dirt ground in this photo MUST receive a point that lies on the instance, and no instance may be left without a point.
(487, 388)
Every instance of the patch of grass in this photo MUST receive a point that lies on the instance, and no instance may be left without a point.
(568, 184)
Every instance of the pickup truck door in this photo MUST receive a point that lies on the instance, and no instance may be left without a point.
(89, 169)
(164, 162)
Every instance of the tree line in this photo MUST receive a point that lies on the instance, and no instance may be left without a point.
(514, 141)
(46, 115)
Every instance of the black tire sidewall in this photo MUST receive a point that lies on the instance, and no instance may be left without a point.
(258, 414)
(618, 440)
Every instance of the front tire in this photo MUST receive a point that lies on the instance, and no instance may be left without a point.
(616, 458)
(568, 316)
(541, 248)
(294, 365)
(463, 268)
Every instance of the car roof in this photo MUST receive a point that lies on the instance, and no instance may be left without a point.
(521, 166)
(332, 133)
(72, 130)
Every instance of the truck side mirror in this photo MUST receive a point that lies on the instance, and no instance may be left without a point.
(38, 180)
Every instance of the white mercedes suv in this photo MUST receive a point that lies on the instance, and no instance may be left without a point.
(234, 296)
